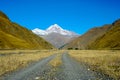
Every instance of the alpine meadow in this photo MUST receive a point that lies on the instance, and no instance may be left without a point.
(59, 40)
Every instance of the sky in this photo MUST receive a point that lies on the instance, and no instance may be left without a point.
(74, 15)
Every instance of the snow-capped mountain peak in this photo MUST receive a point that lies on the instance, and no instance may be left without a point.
(56, 35)
(54, 29)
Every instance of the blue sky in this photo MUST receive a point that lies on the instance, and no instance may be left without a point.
(75, 15)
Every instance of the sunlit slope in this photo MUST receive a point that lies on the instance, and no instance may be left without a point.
(110, 40)
(105, 37)
(90, 36)
(3, 15)
(14, 36)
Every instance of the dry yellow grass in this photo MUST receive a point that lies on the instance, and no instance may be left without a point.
(18, 51)
(105, 61)
(56, 61)
(15, 61)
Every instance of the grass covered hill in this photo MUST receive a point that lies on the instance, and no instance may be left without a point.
(105, 37)
(14, 36)
(110, 40)
(89, 37)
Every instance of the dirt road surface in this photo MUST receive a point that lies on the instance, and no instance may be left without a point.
(70, 69)
(31, 72)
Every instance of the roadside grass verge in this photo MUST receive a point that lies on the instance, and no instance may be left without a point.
(14, 61)
(9, 52)
(56, 61)
(104, 61)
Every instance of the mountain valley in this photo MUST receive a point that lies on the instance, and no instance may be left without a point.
(56, 53)
(14, 36)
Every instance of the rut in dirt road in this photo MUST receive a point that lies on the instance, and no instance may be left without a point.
(32, 72)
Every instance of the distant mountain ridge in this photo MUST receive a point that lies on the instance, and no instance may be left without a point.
(14, 36)
(56, 35)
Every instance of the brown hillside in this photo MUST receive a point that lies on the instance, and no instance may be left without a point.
(83, 41)
(3, 15)
(110, 40)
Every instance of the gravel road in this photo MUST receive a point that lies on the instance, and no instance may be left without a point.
(70, 69)
(31, 72)
(73, 70)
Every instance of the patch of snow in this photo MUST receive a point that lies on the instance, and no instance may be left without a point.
(39, 31)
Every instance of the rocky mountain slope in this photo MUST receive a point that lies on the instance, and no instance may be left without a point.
(56, 35)
(14, 36)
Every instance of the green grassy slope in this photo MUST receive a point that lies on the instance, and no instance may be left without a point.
(14, 36)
